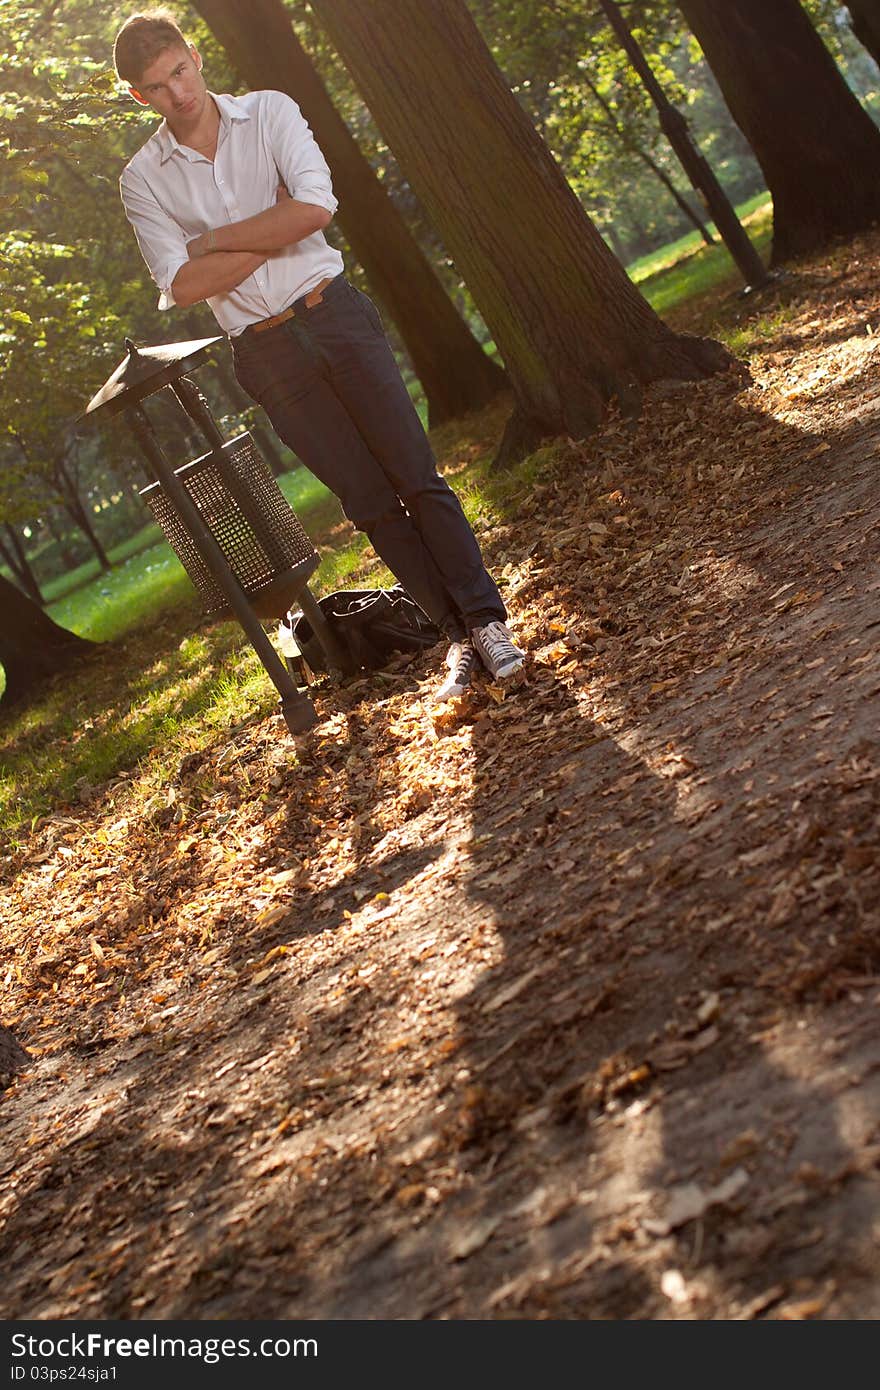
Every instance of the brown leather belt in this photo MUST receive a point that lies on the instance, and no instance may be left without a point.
(308, 301)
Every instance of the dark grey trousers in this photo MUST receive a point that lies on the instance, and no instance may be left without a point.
(329, 383)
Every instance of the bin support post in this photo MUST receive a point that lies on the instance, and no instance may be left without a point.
(196, 407)
(313, 613)
(297, 709)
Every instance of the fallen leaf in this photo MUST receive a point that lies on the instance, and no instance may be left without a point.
(270, 915)
(745, 1144)
(689, 1200)
(806, 1308)
(672, 1284)
(510, 992)
(475, 1237)
(763, 1301)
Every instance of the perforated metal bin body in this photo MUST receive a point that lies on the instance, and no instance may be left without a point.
(262, 539)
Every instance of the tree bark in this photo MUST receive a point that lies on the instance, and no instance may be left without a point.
(32, 646)
(818, 149)
(635, 148)
(864, 18)
(457, 375)
(572, 328)
(68, 496)
(675, 128)
(72, 504)
(14, 553)
(12, 1055)
(58, 533)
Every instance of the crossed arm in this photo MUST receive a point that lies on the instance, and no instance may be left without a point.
(223, 257)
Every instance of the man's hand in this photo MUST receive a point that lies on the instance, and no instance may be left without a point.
(201, 245)
(205, 243)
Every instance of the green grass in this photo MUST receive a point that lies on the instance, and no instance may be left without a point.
(665, 256)
(136, 708)
(164, 685)
(130, 594)
(70, 580)
(305, 494)
(688, 268)
(743, 341)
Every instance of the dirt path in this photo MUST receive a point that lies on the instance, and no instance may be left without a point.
(561, 1005)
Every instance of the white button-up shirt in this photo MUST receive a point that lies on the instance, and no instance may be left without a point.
(171, 193)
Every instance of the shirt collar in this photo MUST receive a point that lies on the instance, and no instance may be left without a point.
(230, 108)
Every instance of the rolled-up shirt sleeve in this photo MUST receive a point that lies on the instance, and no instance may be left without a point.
(297, 155)
(161, 241)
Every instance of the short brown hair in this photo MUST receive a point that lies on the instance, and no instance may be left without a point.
(141, 39)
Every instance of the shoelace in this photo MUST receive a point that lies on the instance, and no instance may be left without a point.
(497, 643)
(455, 654)
(467, 657)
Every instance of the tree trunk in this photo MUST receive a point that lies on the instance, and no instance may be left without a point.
(57, 531)
(635, 148)
(12, 1055)
(864, 18)
(72, 503)
(681, 203)
(819, 150)
(617, 245)
(572, 328)
(32, 647)
(457, 375)
(675, 128)
(14, 553)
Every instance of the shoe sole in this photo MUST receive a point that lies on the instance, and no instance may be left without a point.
(447, 692)
(509, 670)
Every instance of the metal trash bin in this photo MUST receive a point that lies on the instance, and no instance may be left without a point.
(262, 539)
(225, 516)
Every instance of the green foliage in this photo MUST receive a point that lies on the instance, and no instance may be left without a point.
(66, 284)
(576, 83)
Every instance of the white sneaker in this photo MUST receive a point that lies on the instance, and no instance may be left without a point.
(497, 650)
(462, 661)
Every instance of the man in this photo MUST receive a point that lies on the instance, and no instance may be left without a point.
(229, 200)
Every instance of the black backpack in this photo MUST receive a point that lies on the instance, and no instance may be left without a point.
(370, 626)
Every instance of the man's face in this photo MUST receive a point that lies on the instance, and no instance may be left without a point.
(173, 85)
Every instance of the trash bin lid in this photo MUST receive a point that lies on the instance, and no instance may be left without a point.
(145, 370)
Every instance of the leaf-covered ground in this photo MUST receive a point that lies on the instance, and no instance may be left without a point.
(559, 1004)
